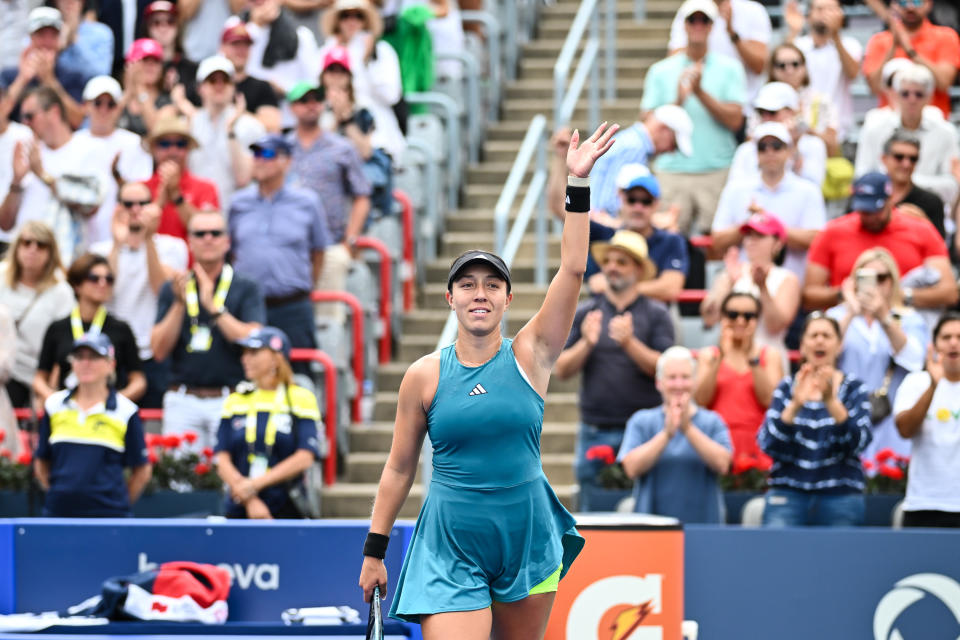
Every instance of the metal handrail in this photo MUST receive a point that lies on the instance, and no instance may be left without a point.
(495, 62)
(565, 97)
(452, 114)
(471, 73)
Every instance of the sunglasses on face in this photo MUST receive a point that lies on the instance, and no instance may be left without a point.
(30, 243)
(130, 204)
(358, 15)
(27, 116)
(783, 65)
(309, 98)
(699, 18)
(916, 94)
(163, 22)
(883, 277)
(776, 145)
(645, 201)
(97, 278)
(746, 315)
(900, 157)
(109, 103)
(213, 233)
(179, 143)
(264, 154)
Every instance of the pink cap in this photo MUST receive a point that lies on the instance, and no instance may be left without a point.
(765, 223)
(337, 55)
(145, 48)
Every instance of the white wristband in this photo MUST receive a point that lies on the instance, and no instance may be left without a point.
(577, 181)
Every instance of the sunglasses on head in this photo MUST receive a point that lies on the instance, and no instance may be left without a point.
(130, 204)
(109, 103)
(32, 242)
(916, 94)
(264, 154)
(213, 233)
(911, 3)
(788, 64)
(699, 18)
(900, 157)
(179, 143)
(776, 145)
(746, 315)
(644, 200)
(27, 116)
(96, 278)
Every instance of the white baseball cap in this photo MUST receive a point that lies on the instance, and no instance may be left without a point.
(774, 130)
(44, 17)
(213, 64)
(706, 7)
(679, 122)
(99, 85)
(774, 96)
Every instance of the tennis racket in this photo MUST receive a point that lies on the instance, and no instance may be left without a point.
(375, 621)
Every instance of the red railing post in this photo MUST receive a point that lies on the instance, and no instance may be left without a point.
(330, 413)
(407, 266)
(359, 341)
(386, 291)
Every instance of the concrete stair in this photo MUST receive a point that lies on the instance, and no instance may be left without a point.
(639, 45)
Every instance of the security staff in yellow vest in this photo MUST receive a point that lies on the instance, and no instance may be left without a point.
(268, 434)
(88, 436)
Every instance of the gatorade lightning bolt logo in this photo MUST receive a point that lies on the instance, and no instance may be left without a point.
(627, 621)
(607, 609)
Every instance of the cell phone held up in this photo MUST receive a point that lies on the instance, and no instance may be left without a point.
(865, 280)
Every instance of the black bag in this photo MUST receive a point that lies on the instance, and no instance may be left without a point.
(880, 406)
(375, 621)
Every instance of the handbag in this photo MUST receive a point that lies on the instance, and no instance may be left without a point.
(375, 621)
(880, 406)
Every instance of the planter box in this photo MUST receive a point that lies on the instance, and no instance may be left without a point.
(601, 499)
(18, 504)
(171, 504)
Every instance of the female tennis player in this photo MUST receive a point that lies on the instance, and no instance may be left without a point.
(492, 540)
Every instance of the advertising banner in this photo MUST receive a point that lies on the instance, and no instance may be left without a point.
(626, 584)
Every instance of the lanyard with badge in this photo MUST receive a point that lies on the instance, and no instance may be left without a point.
(279, 419)
(200, 336)
(96, 326)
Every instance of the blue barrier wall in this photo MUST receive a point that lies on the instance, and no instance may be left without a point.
(7, 587)
(797, 584)
(276, 565)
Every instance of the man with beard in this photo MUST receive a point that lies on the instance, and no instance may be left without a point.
(911, 35)
(616, 339)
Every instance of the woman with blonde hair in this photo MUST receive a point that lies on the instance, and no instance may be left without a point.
(883, 340)
(268, 435)
(34, 291)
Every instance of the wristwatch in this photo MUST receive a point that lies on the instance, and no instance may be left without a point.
(178, 200)
(908, 296)
(734, 37)
(754, 362)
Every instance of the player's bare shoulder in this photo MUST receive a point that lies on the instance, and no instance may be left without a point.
(422, 377)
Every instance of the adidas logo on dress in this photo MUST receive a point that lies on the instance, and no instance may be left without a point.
(478, 390)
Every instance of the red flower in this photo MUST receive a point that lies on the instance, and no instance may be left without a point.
(154, 439)
(3, 434)
(202, 469)
(743, 462)
(885, 454)
(25, 458)
(602, 452)
(6, 453)
(190, 436)
(152, 457)
(869, 466)
(171, 442)
(208, 452)
(894, 473)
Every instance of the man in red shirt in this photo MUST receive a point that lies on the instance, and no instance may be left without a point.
(911, 35)
(178, 192)
(875, 222)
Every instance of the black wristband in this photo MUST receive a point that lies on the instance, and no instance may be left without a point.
(578, 199)
(375, 545)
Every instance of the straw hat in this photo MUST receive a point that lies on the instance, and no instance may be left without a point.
(328, 23)
(632, 243)
(170, 125)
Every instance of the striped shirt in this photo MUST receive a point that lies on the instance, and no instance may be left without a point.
(815, 453)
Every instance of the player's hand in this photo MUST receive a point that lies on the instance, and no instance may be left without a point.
(373, 573)
(581, 157)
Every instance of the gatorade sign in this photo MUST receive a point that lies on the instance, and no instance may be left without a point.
(627, 584)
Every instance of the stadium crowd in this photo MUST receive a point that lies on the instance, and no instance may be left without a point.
(176, 178)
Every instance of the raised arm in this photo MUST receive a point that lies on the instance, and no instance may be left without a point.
(539, 343)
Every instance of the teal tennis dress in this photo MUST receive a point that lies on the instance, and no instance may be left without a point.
(491, 527)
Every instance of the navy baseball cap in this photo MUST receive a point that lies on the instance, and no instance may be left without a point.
(99, 343)
(267, 338)
(477, 256)
(871, 192)
(273, 142)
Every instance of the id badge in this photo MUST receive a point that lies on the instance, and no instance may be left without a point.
(201, 339)
(258, 466)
